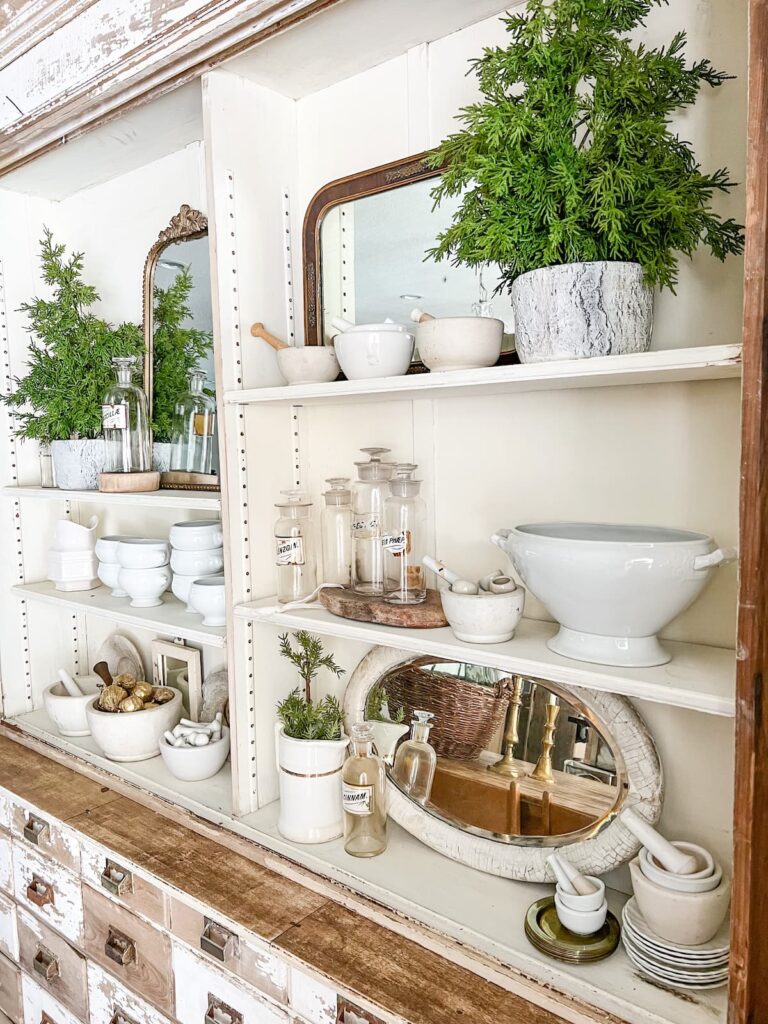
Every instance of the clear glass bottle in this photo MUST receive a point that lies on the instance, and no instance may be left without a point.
(194, 426)
(46, 466)
(336, 522)
(294, 548)
(416, 760)
(369, 492)
(405, 516)
(125, 420)
(363, 796)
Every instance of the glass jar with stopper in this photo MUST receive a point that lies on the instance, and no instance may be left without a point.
(369, 493)
(403, 540)
(294, 548)
(416, 760)
(363, 796)
(125, 421)
(194, 424)
(336, 526)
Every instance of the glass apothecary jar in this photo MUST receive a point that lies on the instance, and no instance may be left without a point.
(403, 539)
(125, 421)
(194, 427)
(294, 548)
(416, 760)
(369, 493)
(363, 796)
(336, 522)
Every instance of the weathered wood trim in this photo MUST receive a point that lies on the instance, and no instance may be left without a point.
(38, 19)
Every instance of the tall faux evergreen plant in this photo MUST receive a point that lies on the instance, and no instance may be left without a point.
(571, 157)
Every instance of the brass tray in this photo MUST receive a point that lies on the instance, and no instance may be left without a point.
(544, 931)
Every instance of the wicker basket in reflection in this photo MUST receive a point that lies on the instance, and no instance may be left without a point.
(467, 715)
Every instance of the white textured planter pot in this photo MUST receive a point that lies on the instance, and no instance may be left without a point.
(77, 464)
(309, 774)
(579, 310)
(161, 456)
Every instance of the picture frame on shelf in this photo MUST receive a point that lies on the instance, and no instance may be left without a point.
(179, 666)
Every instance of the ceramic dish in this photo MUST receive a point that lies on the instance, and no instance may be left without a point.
(198, 535)
(483, 618)
(193, 764)
(142, 553)
(197, 563)
(719, 972)
(718, 945)
(308, 364)
(581, 922)
(459, 342)
(544, 930)
(207, 596)
(593, 901)
(364, 354)
(145, 587)
(703, 881)
(121, 656)
(133, 736)
(106, 547)
(68, 713)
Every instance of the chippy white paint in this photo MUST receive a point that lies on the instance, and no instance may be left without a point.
(40, 1005)
(312, 999)
(9, 931)
(53, 839)
(65, 912)
(6, 863)
(106, 997)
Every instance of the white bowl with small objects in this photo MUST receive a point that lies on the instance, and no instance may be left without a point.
(197, 563)
(142, 553)
(197, 535)
(483, 618)
(132, 736)
(195, 763)
(68, 713)
(207, 596)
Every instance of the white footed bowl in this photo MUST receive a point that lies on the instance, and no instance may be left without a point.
(145, 587)
(135, 735)
(611, 588)
(483, 618)
(142, 553)
(180, 588)
(207, 596)
(308, 364)
(197, 535)
(68, 713)
(197, 563)
(106, 547)
(459, 342)
(374, 353)
(193, 764)
(108, 573)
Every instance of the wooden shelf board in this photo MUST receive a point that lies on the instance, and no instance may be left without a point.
(169, 619)
(699, 677)
(154, 499)
(711, 362)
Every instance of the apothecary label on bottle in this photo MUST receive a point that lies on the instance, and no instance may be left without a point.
(290, 551)
(365, 522)
(114, 417)
(396, 543)
(357, 799)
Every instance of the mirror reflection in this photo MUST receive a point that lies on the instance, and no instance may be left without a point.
(513, 759)
(374, 263)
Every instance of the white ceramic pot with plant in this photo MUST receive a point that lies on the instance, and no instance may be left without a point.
(582, 208)
(310, 748)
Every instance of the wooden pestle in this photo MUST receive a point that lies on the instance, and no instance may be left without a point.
(260, 331)
(101, 669)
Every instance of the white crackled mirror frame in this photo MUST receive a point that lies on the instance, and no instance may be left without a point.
(610, 845)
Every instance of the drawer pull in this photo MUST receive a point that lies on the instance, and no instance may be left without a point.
(219, 1013)
(121, 1017)
(120, 948)
(35, 829)
(218, 942)
(45, 1019)
(39, 892)
(117, 880)
(46, 964)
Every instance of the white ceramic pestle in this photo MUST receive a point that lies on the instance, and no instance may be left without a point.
(441, 570)
(670, 857)
(69, 684)
(580, 883)
(562, 879)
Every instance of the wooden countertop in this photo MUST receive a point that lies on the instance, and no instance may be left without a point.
(357, 955)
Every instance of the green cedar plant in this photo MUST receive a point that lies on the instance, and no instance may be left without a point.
(378, 699)
(69, 356)
(302, 718)
(570, 155)
(176, 350)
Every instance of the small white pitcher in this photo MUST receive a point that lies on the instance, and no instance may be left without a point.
(309, 774)
(69, 536)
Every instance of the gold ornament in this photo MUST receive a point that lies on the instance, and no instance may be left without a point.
(126, 680)
(143, 690)
(111, 696)
(132, 703)
(163, 694)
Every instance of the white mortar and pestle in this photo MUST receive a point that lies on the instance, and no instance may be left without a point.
(457, 342)
(579, 899)
(304, 364)
(66, 701)
(475, 614)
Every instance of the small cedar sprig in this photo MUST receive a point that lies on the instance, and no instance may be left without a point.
(374, 707)
(301, 718)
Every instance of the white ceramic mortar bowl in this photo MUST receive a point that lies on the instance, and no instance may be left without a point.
(483, 618)
(459, 342)
(581, 922)
(591, 902)
(135, 735)
(197, 535)
(308, 364)
(704, 880)
(193, 764)
(68, 713)
(687, 918)
(374, 353)
(207, 596)
(197, 563)
(142, 553)
(145, 587)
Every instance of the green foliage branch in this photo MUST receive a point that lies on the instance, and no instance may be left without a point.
(570, 155)
(379, 709)
(302, 718)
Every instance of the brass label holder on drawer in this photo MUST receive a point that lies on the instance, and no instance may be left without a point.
(45, 1019)
(120, 948)
(35, 829)
(219, 942)
(46, 964)
(116, 879)
(39, 892)
(120, 1016)
(219, 1013)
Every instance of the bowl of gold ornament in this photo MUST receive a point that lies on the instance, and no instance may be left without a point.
(129, 716)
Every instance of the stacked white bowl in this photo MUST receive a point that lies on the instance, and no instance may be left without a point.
(144, 571)
(197, 553)
(109, 567)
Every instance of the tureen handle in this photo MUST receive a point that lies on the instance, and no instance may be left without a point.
(500, 538)
(719, 557)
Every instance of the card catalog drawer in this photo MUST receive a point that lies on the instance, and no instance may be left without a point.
(312, 998)
(5, 809)
(40, 1007)
(134, 950)
(113, 1003)
(10, 990)
(9, 932)
(49, 890)
(53, 963)
(6, 863)
(251, 960)
(108, 874)
(43, 833)
(208, 995)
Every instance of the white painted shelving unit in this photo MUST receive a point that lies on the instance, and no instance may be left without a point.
(207, 500)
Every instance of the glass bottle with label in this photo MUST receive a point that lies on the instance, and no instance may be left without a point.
(125, 421)
(363, 795)
(337, 532)
(369, 492)
(194, 423)
(294, 548)
(402, 542)
(416, 760)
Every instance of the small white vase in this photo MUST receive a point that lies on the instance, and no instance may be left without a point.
(161, 456)
(309, 773)
(77, 464)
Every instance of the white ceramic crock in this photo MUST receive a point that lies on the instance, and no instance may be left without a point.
(135, 735)
(193, 764)
(109, 574)
(142, 553)
(483, 618)
(77, 464)
(197, 563)
(687, 918)
(208, 597)
(308, 364)
(611, 588)
(363, 354)
(68, 713)
(106, 547)
(459, 342)
(145, 587)
(309, 776)
(180, 589)
(197, 535)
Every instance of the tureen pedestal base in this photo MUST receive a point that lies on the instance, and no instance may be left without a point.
(624, 651)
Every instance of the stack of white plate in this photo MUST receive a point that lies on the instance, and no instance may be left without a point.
(697, 967)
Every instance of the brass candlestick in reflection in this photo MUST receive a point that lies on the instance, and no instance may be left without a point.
(543, 770)
(506, 766)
